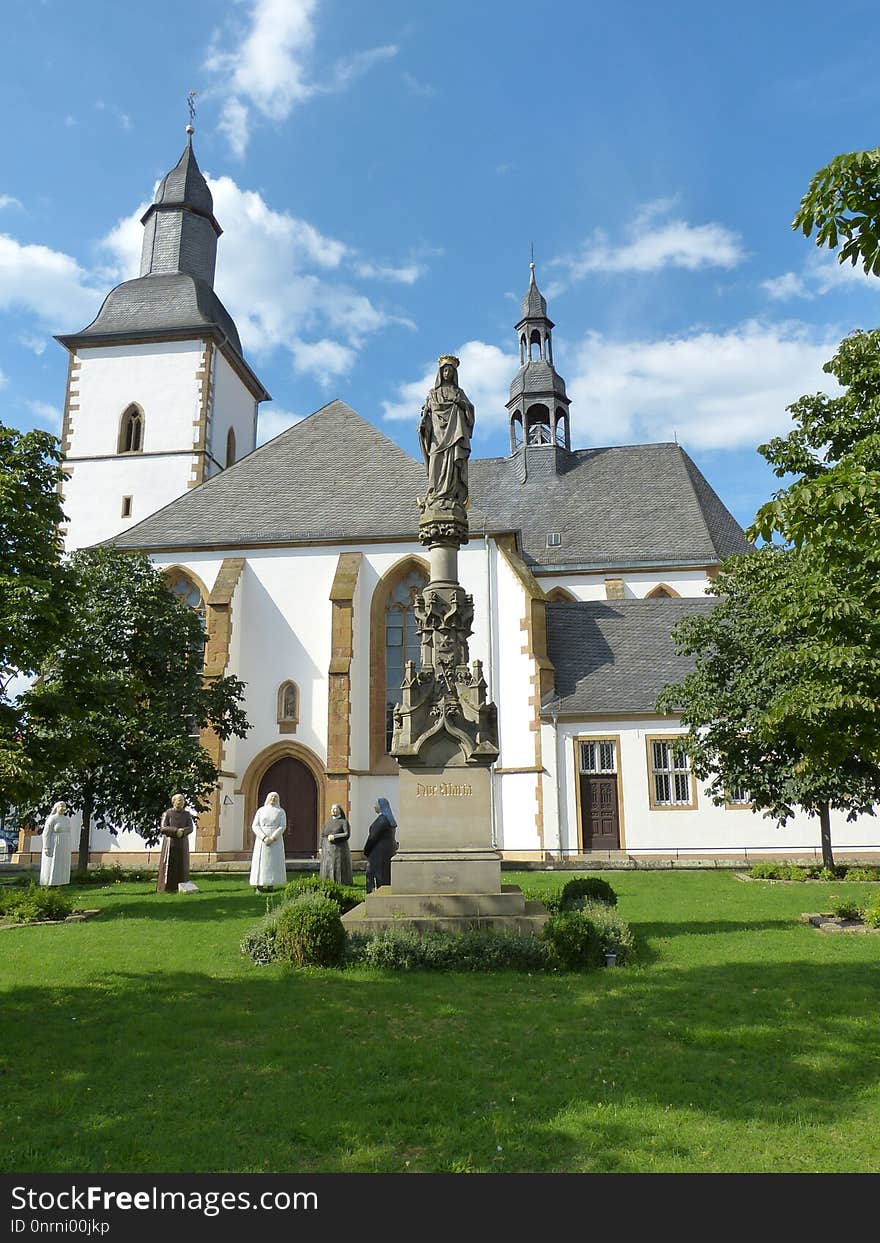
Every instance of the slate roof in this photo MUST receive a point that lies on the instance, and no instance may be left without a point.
(185, 184)
(161, 302)
(335, 476)
(534, 304)
(616, 655)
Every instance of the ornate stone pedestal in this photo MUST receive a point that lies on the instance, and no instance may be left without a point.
(447, 872)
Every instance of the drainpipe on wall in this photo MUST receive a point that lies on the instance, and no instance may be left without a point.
(491, 654)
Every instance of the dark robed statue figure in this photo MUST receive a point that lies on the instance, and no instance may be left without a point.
(445, 430)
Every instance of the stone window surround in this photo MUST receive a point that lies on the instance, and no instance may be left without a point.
(653, 804)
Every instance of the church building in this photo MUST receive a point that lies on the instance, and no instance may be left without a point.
(302, 557)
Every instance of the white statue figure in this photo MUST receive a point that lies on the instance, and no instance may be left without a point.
(55, 863)
(267, 866)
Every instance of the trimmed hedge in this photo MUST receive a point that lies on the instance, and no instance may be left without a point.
(593, 888)
(309, 932)
(813, 871)
(345, 896)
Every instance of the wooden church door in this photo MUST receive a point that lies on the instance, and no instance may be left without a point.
(296, 787)
(600, 812)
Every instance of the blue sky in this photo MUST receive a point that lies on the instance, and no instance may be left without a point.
(380, 169)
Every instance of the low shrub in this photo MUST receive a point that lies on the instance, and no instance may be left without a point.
(872, 916)
(862, 873)
(591, 887)
(111, 874)
(402, 949)
(258, 943)
(781, 871)
(309, 931)
(575, 941)
(345, 896)
(32, 904)
(615, 934)
(847, 909)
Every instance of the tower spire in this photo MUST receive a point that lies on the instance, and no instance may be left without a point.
(538, 402)
(180, 229)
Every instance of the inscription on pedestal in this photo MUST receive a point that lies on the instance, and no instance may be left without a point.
(443, 790)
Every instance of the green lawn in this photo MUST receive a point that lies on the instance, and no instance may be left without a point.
(143, 1041)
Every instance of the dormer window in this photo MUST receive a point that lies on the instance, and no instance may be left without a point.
(554, 539)
(131, 431)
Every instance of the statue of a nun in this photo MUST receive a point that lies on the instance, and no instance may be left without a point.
(335, 854)
(267, 866)
(380, 846)
(445, 430)
(55, 863)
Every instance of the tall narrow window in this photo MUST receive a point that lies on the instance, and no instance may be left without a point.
(230, 447)
(131, 431)
(401, 642)
(126, 507)
(288, 707)
(670, 775)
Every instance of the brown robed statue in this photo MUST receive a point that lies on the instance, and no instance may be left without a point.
(176, 826)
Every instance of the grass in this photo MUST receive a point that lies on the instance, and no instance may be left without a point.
(143, 1041)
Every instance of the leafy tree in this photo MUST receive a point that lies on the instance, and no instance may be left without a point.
(33, 582)
(112, 724)
(773, 704)
(842, 203)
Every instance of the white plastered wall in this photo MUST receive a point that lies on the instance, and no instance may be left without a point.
(704, 830)
(232, 405)
(636, 583)
(161, 379)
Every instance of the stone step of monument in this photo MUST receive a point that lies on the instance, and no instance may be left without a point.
(384, 903)
(530, 920)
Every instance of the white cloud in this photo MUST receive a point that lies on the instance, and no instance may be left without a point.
(416, 86)
(649, 244)
(821, 273)
(122, 117)
(266, 66)
(34, 341)
(47, 283)
(324, 359)
(407, 274)
(45, 413)
(7, 200)
(715, 390)
(485, 375)
(273, 421)
(3, 380)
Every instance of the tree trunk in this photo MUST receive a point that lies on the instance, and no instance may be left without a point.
(85, 833)
(825, 829)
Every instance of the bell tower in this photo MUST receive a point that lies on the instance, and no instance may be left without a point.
(538, 404)
(159, 395)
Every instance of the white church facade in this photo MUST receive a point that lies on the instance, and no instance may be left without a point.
(303, 557)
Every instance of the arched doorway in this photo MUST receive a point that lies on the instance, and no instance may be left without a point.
(291, 779)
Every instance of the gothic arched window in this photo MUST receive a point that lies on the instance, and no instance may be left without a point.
(393, 640)
(186, 590)
(288, 707)
(131, 431)
(401, 642)
(230, 447)
(662, 592)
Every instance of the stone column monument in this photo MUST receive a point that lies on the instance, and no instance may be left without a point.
(447, 873)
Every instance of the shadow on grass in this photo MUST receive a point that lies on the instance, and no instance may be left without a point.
(696, 927)
(323, 1071)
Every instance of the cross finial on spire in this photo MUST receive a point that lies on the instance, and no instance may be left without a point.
(191, 105)
(532, 248)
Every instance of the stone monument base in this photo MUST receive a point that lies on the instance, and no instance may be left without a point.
(504, 910)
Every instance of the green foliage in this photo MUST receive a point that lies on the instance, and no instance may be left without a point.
(846, 908)
(33, 904)
(110, 874)
(258, 943)
(862, 873)
(112, 722)
(592, 888)
(575, 940)
(309, 932)
(614, 933)
(550, 898)
(34, 583)
(872, 915)
(842, 203)
(346, 897)
(402, 949)
(779, 871)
